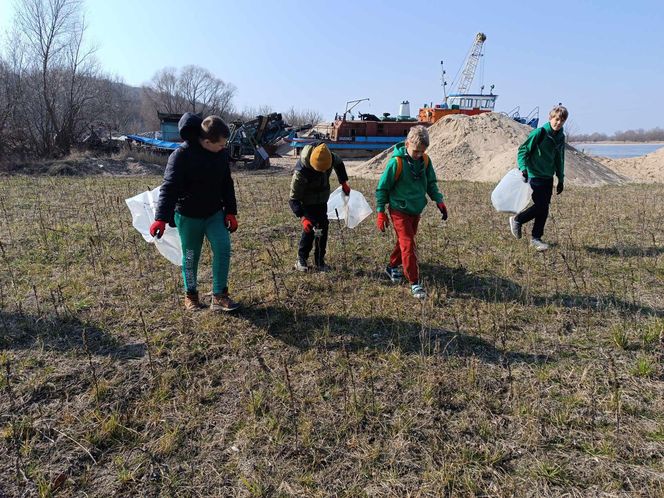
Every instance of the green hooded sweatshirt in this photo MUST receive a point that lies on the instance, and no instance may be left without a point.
(408, 193)
(543, 154)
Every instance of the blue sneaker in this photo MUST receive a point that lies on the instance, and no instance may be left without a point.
(395, 274)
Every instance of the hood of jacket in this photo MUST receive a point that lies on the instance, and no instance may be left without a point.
(190, 126)
(400, 150)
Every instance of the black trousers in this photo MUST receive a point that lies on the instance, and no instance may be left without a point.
(539, 211)
(316, 239)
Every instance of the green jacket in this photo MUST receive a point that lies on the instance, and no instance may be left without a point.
(408, 193)
(309, 186)
(543, 154)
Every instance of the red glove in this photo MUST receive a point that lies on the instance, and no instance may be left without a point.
(345, 188)
(307, 225)
(231, 222)
(443, 209)
(382, 222)
(158, 228)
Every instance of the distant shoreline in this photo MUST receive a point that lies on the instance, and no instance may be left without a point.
(617, 142)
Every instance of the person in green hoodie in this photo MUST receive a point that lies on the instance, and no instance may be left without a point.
(540, 157)
(408, 178)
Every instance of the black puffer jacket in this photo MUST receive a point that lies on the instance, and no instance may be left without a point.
(197, 182)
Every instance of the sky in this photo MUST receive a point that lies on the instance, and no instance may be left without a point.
(601, 59)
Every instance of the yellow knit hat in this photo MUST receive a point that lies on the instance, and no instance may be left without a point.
(321, 158)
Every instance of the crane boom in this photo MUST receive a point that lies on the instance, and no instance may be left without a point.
(471, 63)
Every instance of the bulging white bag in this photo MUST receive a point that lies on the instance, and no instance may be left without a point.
(352, 208)
(142, 207)
(512, 194)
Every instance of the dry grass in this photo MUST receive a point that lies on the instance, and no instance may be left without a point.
(521, 374)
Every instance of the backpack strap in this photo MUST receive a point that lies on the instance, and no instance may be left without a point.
(399, 168)
(397, 174)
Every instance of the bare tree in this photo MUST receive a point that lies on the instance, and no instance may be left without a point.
(115, 109)
(12, 75)
(163, 91)
(300, 118)
(203, 92)
(194, 89)
(61, 71)
(249, 113)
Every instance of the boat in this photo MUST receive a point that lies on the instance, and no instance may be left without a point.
(366, 136)
(370, 134)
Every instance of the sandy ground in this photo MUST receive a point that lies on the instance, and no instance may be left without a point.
(484, 147)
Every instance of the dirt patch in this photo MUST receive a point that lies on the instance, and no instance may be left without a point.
(83, 166)
(484, 147)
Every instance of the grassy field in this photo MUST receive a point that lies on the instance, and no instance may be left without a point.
(522, 374)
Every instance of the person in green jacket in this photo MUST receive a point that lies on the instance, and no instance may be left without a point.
(309, 193)
(408, 178)
(540, 157)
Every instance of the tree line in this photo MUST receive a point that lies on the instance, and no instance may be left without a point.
(640, 135)
(54, 92)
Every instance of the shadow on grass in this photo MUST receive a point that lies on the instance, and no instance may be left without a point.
(492, 288)
(597, 303)
(24, 331)
(626, 251)
(338, 332)
(459, 281)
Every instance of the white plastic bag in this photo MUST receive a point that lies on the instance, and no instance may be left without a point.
(512, 194)
(352, 208)
(142, 207)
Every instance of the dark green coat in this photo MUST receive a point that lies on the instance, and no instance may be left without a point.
(543, 153)
(308, 186)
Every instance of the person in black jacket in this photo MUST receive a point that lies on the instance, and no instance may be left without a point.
(198, 197)
(310, 191)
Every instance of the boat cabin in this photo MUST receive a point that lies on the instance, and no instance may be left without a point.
(467, 103)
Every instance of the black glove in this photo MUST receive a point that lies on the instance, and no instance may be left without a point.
(524, 173)
(560, 187)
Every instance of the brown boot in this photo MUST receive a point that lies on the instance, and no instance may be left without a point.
(223, 302)
(191, 302)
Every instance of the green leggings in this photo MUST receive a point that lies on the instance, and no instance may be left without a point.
(192, 231)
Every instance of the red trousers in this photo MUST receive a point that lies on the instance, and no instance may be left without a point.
(405, 252)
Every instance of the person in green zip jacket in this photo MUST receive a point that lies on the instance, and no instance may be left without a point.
(540, 157)
(408, 178)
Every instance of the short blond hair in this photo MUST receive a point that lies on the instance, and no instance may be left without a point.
(560, 111)
(418, 135)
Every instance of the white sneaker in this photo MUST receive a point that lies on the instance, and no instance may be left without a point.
(301, 265)
(539, 245)
(418, 291)
(515, 227)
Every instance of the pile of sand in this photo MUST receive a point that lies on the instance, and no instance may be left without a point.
(484, 147)
(643, 169)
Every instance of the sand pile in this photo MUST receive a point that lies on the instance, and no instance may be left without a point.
(643, 169)
(483, 148)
